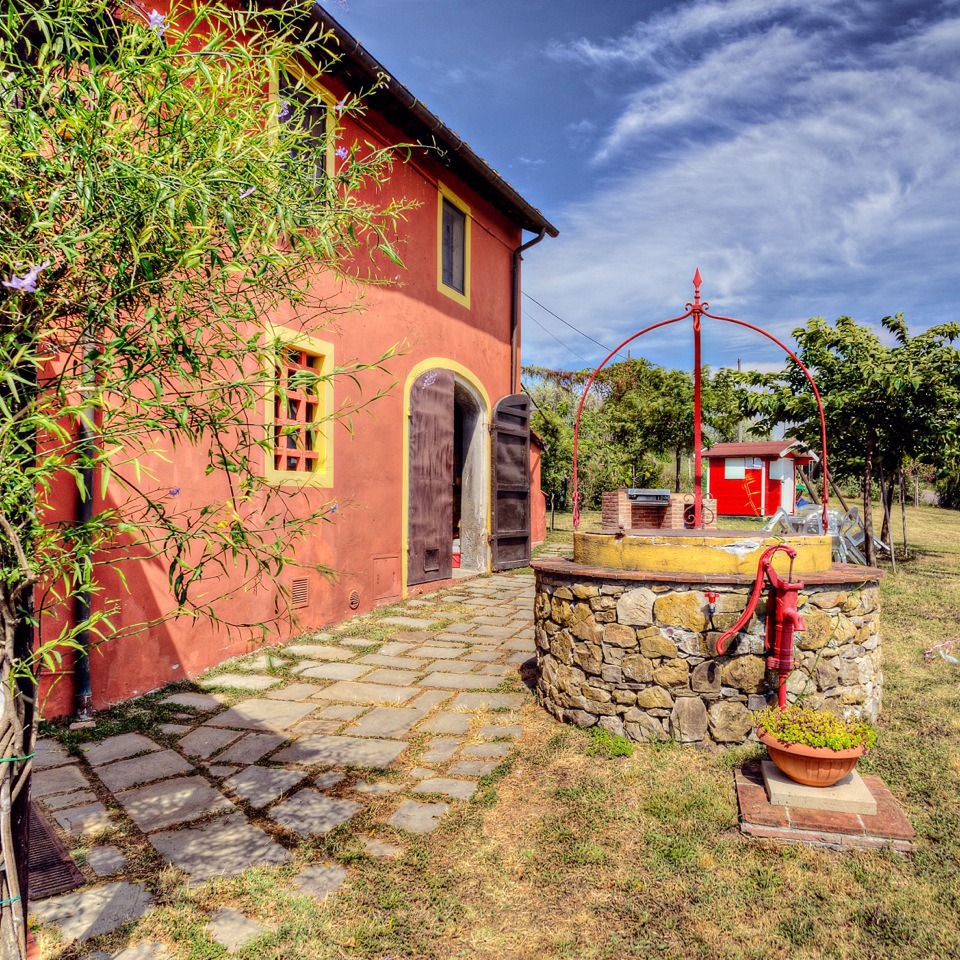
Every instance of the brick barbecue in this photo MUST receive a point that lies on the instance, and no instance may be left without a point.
(641, 509)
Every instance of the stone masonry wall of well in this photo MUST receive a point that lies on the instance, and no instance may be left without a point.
(638, 657)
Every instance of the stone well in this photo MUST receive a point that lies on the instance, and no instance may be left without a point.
(634, 650)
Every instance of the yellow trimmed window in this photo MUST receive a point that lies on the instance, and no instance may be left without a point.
(453, 247)
(299, 407)
(302, 100)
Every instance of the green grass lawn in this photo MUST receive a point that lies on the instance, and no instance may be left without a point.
(567, 852)
(677, 879)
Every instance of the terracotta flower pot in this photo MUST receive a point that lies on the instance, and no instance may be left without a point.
(813, 766)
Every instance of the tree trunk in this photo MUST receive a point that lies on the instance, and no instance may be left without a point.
(27, 696)
(886, 490)
(886, 497)
(17, 736)
(679, 453)
(903, 507)
(869, 551)
(838, 493)
(17, 695)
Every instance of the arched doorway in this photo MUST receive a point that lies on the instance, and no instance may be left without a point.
(448, 475)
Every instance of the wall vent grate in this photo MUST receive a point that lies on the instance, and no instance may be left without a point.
(300, 592)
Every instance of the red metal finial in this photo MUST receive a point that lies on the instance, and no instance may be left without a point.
(696, 285)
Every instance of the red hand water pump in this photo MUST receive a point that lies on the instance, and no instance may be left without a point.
(783, 619)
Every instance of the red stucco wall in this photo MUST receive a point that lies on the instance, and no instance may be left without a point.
(742, 498)
(735, 498)
(363, 543)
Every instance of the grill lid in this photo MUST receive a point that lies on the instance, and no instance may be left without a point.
(647, 495)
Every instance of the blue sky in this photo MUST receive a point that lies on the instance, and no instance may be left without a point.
(804, 154)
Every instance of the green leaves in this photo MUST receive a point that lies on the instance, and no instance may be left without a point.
(635, 413)
(150, 175)
(904, 396)
(815, 728)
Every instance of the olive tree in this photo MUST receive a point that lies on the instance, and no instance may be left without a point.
(887, 399)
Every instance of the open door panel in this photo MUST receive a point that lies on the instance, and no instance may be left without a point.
(431, 478)
(510, 447)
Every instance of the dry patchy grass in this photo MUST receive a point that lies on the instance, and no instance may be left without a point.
(566, 855)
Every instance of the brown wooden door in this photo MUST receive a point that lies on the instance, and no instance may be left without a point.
(430, 554)
(510, 534)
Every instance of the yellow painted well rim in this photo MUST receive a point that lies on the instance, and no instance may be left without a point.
(696, 552)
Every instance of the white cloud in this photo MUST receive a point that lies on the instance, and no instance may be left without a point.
(716, 90)
(676, 31)
(806, 170)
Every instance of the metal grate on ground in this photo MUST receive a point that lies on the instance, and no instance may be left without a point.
(51, 868)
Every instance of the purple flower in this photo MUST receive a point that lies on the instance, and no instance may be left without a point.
(28, 282)
(284, 110)
(175, 492)
(246, 193)
(158, 23)
(340, 105)
(342, 153)
(334, 507)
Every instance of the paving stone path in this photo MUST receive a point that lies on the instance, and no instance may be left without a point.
(411, 723)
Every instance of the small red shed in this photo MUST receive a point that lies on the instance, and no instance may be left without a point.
(755, 479)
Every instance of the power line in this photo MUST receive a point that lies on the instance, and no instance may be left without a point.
(606, 350)
(562, 343)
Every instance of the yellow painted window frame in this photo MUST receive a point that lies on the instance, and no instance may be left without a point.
(445, 193)
(330, 125)
(323, 444)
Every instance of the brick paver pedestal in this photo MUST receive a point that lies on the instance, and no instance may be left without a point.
(889, 827)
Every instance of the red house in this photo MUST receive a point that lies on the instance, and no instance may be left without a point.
(755, 479)
(444, 456)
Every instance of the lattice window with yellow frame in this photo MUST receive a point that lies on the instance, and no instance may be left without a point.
(300, 450)
(295, 413)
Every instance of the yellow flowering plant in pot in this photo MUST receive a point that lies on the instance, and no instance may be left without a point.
(813, 747)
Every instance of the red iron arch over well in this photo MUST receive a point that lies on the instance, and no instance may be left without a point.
(697, 311)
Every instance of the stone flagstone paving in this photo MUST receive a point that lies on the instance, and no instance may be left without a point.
(232, 929)
(259, 763)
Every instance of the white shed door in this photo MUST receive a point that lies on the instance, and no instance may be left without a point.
(782, 470)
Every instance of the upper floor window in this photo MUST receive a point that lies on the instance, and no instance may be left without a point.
(453, 247)
(454, 235)
(312, 108)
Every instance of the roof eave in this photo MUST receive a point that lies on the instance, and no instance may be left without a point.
(524, 213)
(794, 448)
